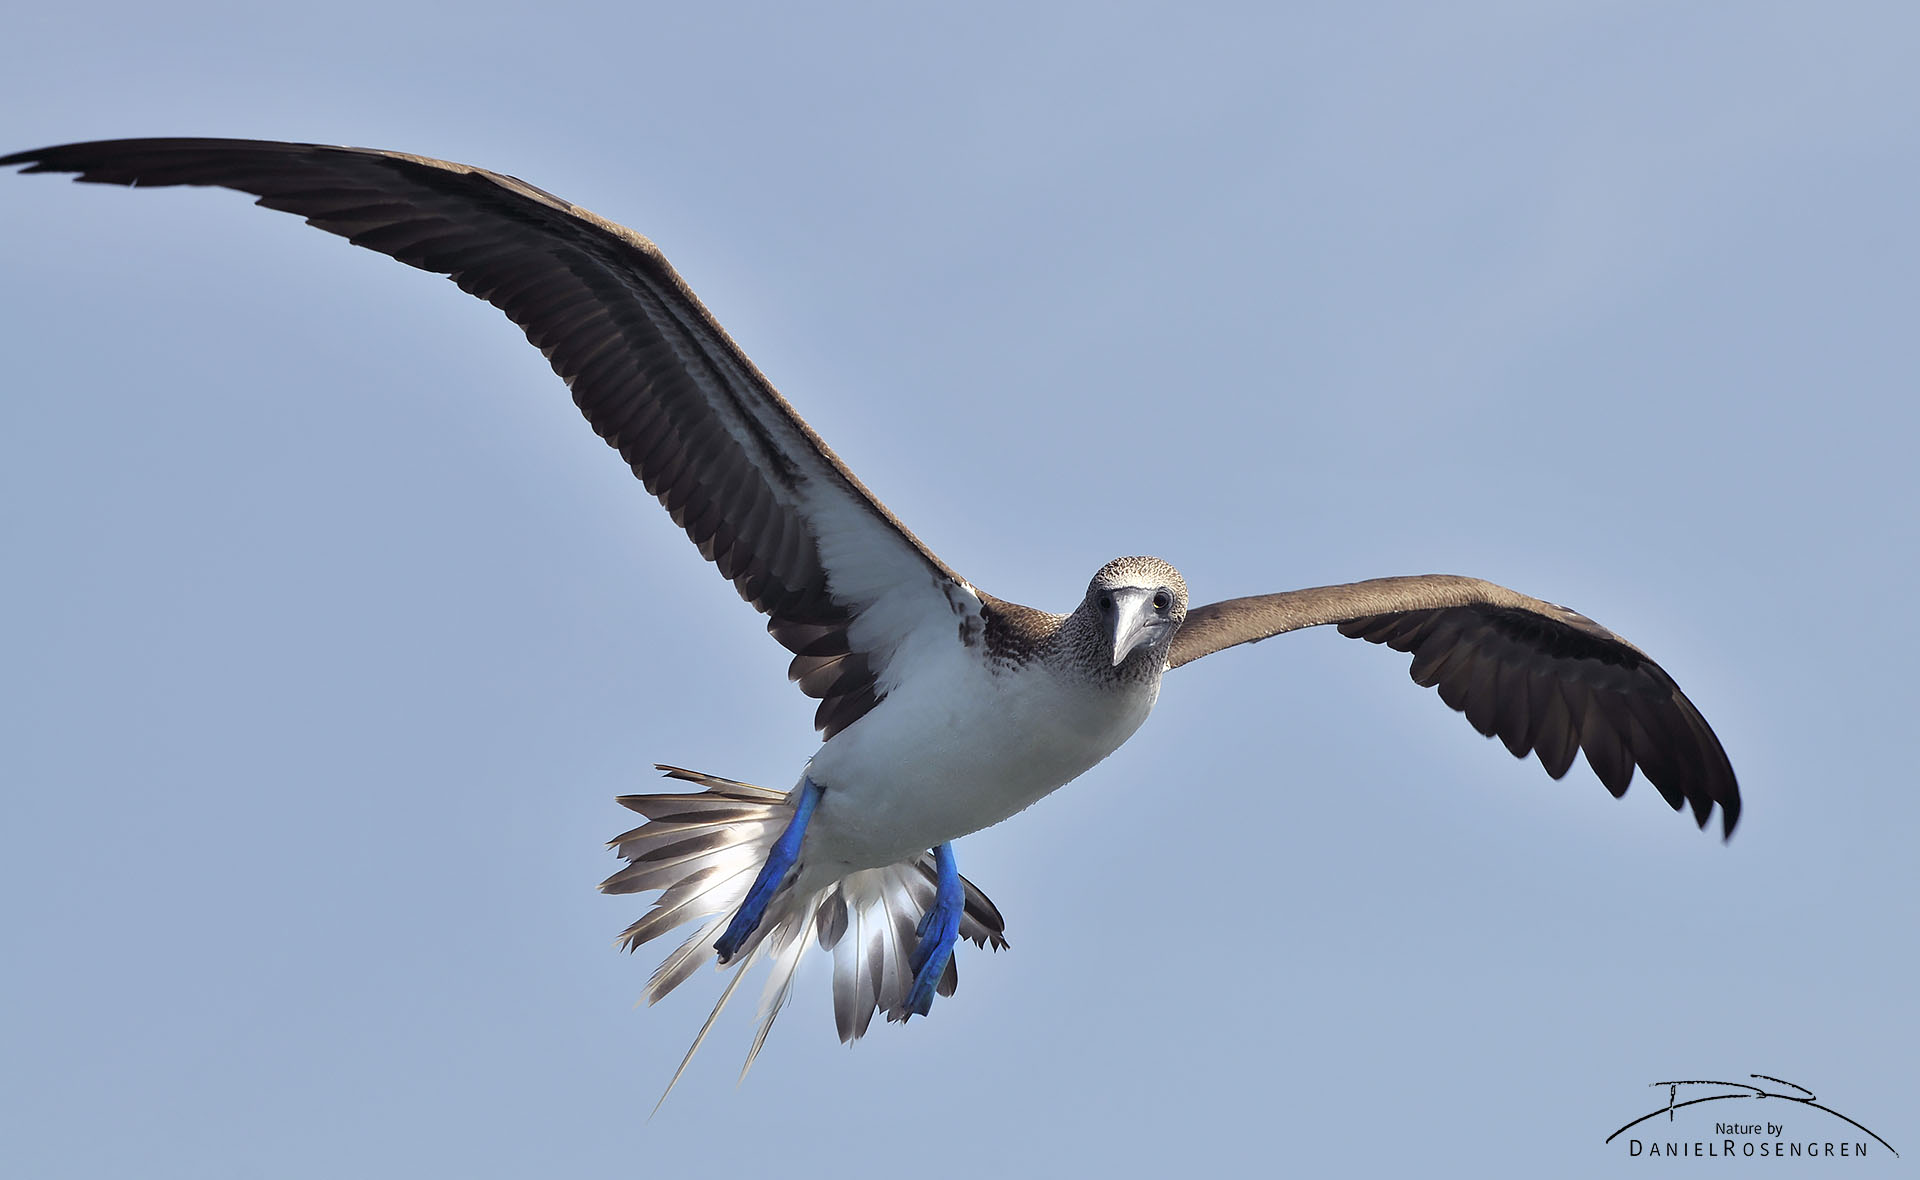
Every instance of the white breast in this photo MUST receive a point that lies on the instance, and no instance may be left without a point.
(962, 745)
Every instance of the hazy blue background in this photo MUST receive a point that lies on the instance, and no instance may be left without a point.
(330, 631)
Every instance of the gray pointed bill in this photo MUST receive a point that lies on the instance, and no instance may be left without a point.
(1136, 622)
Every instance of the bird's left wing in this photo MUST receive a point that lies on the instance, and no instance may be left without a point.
(1538, 676)
(844, 584)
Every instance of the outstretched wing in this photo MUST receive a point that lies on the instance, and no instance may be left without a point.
(844, 583)
(1540, 677)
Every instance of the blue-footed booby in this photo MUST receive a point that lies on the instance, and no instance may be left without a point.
(942, 709)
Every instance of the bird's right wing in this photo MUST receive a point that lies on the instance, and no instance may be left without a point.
(845, 584)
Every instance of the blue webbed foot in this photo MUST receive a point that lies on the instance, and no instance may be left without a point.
(938, 930)
(780, 859)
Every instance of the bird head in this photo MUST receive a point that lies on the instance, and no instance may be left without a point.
(1139, 602)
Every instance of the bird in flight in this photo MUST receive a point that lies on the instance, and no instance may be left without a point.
(942, 709)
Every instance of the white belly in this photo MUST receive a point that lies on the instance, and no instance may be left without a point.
(962, 747)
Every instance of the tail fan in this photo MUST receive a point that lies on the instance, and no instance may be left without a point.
(702, 852)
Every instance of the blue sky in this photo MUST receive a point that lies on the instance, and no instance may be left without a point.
(331, 631)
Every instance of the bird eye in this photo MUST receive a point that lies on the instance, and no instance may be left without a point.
(1162, 601)
(1106, 604)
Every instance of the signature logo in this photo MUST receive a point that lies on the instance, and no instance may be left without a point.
(1736, 1137)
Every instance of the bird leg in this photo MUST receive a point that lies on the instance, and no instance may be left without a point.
(939, 928)
(780, 859)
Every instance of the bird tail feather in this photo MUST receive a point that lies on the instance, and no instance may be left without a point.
(702, 851)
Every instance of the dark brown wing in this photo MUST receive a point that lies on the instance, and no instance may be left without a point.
(658, 379)
(1539, 677)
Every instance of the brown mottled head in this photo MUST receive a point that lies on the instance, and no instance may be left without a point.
(1139, 603)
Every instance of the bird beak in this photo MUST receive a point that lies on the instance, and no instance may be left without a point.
(1134, 623)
